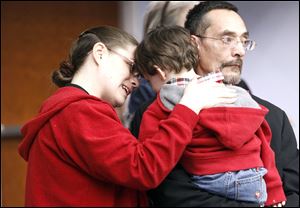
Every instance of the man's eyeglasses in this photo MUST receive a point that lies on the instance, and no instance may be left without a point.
(130, 62)
(248, 45)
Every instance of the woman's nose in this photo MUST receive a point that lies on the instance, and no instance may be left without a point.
(134, 81)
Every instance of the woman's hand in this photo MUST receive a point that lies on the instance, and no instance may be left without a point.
(204, 94)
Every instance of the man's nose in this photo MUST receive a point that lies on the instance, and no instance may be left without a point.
(238, 49)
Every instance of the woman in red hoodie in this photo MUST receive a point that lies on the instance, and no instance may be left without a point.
(77, 150)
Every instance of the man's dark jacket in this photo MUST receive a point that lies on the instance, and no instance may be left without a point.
(178, 190)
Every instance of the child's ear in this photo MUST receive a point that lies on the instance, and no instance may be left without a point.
(162, 74)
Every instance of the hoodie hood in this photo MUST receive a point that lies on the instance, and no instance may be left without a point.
(233, 126)
(51, 107)
(170, 95)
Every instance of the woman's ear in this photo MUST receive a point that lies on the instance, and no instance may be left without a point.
(99, 50)
(162, 74)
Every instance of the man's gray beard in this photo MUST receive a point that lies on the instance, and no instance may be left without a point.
(232, 71)
(232, 79)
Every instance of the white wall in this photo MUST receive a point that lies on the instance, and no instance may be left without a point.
(132, 17)
(272, 69)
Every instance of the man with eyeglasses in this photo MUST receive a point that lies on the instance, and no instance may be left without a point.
(222, 39)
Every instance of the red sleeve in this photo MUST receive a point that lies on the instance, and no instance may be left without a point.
(272, 178)
(98, 143)
(151, 119)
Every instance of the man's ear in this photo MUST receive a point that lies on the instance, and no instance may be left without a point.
(99, 50)
(162, 74)
(195, 40)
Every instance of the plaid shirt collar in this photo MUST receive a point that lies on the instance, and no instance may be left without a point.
(179, 81)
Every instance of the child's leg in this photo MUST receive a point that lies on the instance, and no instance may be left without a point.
(250, 185)
(215, 183)
(244, 185)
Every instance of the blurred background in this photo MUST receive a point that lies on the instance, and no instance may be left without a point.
(36, 37)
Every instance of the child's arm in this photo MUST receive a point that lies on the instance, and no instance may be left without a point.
(275, 190)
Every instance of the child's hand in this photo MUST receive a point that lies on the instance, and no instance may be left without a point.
(280, 204)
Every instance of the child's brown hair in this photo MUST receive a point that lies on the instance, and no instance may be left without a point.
(170, 48)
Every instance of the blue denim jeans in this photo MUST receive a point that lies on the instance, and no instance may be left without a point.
(244, 185)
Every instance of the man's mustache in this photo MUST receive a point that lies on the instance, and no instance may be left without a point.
(237, 62)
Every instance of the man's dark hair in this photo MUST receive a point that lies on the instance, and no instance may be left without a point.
(195, 22)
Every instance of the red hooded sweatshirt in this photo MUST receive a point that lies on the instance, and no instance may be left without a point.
(224, 139)
(79, 154)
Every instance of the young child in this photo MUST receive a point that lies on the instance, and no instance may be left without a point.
(79, 153)
(229, 154)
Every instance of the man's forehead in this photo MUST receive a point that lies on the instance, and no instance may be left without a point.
(225, 20)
